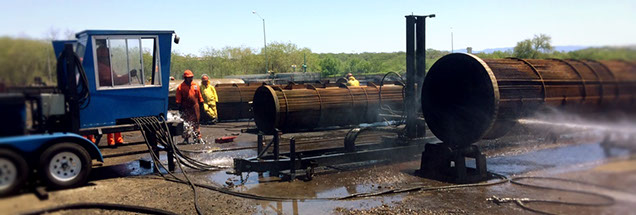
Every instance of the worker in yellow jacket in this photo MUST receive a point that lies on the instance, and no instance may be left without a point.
(209, 98)
(351, 81)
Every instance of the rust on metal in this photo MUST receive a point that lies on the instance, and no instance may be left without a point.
(234, 100)
(465, 98)
(320, 106)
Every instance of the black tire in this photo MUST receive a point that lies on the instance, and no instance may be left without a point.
(20, 166)
(75, 178)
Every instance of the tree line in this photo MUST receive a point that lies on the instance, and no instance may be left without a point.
(23, 59)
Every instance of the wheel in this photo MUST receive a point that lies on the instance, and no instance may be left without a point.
(14, 171)
(65, 165)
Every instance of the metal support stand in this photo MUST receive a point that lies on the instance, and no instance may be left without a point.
(276, 141)
(443, 163)
(170, 155)
(292, 157)
(259, 143)
(415, 73)
(152, 140)
(287, 164)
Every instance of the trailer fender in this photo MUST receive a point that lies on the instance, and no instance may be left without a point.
(36, 143)
(92, 149)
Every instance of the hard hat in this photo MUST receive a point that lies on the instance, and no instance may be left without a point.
(204, 77)
(188, 74)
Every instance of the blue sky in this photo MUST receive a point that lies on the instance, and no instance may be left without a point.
(335, 26)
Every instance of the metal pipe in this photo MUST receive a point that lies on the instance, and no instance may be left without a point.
(312, 107)
(466, 98)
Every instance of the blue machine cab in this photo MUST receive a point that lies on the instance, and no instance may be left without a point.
(128, 74)
(104, 79)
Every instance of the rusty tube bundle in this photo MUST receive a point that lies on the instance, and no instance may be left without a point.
(234, 100)
(466, 98)
(294, 109)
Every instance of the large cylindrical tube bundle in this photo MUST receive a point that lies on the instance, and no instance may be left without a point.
(315, 107)
(234, 100)
(466, 98)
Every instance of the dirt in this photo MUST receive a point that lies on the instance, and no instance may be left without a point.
(122, 180)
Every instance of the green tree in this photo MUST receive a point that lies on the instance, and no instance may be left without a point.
(536, 47)
(330, 66)
(23, 59)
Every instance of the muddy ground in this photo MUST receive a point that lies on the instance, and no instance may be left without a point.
(583, 156)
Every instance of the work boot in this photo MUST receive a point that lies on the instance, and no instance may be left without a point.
(91, 138)
(119, 140)
(111, 140)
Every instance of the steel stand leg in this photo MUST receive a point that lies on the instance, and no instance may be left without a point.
(259, 143)
(276, 145)
(276, 151)
(152, 140)
(170, 155)
(292, 157)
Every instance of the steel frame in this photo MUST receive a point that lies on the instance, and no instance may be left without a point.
(286, 164)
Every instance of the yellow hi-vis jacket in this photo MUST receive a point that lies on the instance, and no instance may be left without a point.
(209, 100)
(353, 82)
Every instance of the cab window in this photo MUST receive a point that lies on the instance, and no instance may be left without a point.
(126, 62)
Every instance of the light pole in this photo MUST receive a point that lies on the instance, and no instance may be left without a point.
(452, 40)
(264, 43)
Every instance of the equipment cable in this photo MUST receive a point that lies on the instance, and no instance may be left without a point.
(608, 200)
(164, 138)
(387, 107)
(82, 89)
(103, 206)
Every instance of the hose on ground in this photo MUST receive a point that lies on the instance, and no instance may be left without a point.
(521, 202)
(103, 206)
(502, 179)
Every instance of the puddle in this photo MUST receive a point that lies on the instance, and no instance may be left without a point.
(554, 157)
(344, 180)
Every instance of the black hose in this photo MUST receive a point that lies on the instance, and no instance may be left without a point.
(85, 94)
(164, 137)
(103, 206)
(608, 200)
(388, 108)
(82, 90)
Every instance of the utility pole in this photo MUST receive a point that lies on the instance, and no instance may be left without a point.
(264, 43)
(452, 48)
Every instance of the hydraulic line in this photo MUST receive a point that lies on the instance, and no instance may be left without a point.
(141, 124)
(164, 138)
(388, 108)
(608, 200)
(103, 206)
(502, 179)
(82, 89)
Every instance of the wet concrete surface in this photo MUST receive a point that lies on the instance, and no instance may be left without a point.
(572, 156)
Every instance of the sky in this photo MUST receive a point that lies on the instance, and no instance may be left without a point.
(334, 26)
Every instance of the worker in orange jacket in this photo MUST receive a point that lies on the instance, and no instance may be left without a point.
(188, 96)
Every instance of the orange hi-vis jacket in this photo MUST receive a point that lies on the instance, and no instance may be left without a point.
(189, 97)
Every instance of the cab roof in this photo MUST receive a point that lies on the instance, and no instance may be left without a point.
(123, 32)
